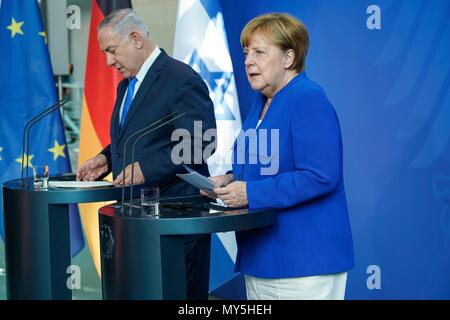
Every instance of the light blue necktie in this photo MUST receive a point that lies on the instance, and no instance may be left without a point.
(128, 100)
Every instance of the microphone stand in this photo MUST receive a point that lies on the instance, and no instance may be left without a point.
(148, 127)
(26, 135)
(134, 147)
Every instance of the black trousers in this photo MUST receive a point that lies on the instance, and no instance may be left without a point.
(197, 251)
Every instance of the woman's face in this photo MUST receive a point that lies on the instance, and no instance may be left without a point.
(265, 65)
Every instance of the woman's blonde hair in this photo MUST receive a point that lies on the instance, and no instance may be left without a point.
(283, 30)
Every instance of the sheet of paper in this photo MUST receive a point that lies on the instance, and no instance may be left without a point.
(79, 184)
(197, 180)
(219, 204)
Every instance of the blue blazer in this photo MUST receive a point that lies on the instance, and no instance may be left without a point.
(168, 86)
(301, 177)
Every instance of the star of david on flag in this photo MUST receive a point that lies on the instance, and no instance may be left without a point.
(201, 42)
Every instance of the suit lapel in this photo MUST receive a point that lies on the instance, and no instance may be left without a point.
(147, 83)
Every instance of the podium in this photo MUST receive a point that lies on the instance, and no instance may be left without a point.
(37, 239)
(143, 257)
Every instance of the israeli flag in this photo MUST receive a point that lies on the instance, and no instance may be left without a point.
(201, 42)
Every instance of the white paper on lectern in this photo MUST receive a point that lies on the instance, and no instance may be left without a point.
(197, 180)
(78, 184)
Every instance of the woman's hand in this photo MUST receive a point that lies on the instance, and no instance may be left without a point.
(218, 181)
(234, 194)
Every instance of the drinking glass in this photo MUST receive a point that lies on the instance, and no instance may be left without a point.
(40, 175)
(150, 201)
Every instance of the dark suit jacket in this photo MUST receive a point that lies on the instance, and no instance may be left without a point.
(168, 86)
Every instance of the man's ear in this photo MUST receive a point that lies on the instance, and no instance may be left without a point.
(137, 39)
(289, 59)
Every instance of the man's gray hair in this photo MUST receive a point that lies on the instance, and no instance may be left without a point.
(125, 21)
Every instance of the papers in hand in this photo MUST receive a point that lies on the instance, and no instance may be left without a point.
(197, 180)
(79, 184)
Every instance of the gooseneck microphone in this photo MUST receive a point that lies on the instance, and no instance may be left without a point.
(137, 140)
(26, 134)
(144, 131)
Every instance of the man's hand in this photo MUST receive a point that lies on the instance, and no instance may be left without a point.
(137, 179)
(93, 168)
(218, 181)
(234, 194)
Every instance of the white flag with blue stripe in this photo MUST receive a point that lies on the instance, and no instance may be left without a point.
(201, 42)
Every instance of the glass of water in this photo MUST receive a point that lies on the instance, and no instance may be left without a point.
(150, 201)
(40, 175)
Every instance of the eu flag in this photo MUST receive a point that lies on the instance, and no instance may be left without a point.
(27, 87)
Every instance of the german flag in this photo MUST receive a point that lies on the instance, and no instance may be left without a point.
(99, 96)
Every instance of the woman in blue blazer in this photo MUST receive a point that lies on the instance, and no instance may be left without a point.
(289, 157)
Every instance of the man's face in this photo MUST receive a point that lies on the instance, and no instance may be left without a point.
(122, 52)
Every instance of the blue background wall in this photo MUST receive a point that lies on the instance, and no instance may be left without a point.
(390, 88)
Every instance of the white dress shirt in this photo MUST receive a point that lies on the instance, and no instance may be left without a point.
(141, 75)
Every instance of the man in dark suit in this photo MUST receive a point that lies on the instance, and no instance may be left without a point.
(154, 86)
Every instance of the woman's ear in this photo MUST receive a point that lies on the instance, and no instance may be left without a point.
(289, 59)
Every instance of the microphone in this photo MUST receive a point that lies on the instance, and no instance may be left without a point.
(143, 132)
(134, 147)
(26, 133)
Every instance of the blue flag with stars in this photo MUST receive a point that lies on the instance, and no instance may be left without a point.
(27, 87)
